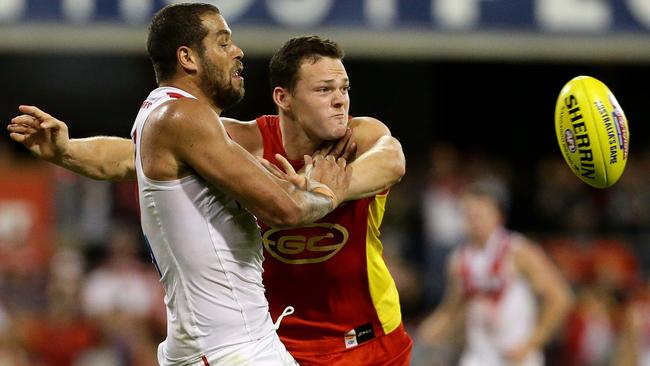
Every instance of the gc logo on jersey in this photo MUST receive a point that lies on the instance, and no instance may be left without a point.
(313, 243)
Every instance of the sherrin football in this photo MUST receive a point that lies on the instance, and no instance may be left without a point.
(592, 131)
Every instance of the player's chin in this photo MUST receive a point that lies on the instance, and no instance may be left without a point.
(240, 91)
(338, 132)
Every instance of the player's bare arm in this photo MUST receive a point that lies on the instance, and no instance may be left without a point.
(111, 158)
(447, 319)
(553, 291)
(185, 140)
(379, 161)
(100, 157)
(631, 336)
(376, 156)
(246, 134)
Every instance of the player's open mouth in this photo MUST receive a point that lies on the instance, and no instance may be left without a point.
(236, 74)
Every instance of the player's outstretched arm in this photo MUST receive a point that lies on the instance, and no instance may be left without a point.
(379, 162)
(101, 157)
(188, 130)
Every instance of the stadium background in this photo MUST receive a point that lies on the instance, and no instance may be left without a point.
(467, 86)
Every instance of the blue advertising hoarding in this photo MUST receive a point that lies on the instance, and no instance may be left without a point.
(468, 15)
(605, 29)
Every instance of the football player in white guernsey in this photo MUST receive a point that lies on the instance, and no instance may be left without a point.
(492, 287)
(198, 189)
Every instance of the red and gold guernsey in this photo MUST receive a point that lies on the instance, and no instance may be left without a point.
(331, 271)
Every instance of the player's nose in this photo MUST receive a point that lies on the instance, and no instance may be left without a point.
(239, 53)
(338, 98)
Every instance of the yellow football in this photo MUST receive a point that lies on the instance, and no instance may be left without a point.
(592, 131)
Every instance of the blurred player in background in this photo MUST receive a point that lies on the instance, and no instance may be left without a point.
(196, 189)
(492, 286)
(346, 303)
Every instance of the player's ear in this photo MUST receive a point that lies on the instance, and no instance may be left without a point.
(187, 59)
(282, 98)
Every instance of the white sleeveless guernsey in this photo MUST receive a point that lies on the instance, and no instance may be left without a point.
(501, 311)
(208, 251)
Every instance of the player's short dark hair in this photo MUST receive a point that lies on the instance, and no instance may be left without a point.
(285, 64)
(492, 188)
(174, 26)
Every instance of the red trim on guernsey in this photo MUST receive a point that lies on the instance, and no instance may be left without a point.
(205, 361)
(468, 284)
(175, 95)
(501, 254)
(496, 270)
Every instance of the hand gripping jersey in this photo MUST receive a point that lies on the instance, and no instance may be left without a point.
(501, 308)
(208, 252)
(332, 272)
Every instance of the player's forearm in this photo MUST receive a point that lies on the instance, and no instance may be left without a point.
(105, 158)
(303, 207)
(274, 201)
(377, 169)
(439, 326)
(553, 313)
(626, 352)
(314, 206)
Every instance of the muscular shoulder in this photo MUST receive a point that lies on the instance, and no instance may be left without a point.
(367, 131)
(526, 253)
(183, 114)
(522, 244)
(184, 125)
(369, 125)
(172, 132)
(246, 134)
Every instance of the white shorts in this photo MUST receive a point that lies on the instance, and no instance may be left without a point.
(268, 351)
